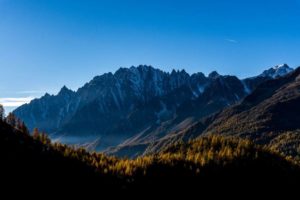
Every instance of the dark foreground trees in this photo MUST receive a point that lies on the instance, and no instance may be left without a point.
(2, 112)
(211, 161)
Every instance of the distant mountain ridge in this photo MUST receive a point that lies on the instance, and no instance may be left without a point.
(138, 103)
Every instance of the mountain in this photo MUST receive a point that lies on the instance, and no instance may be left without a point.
(137, 105)
(271, 73)
(50, 111)
(251, 121)
(277, 71)
(268, 116)
(271, 112)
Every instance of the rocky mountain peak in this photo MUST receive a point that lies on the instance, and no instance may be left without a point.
(65, 91)
(214, 75)
(277, 71)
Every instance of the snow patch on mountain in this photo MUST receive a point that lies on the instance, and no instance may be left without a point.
(277, 71)
(246, 87)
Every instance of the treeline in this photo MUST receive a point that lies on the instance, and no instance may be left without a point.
(12, 120)
(210, 160)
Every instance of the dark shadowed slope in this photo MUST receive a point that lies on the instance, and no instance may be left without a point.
(272, 107)
(269, 115)
(24, 159)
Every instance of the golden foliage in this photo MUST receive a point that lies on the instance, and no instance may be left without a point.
(192, 155)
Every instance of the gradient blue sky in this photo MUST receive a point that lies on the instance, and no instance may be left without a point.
(45, 44)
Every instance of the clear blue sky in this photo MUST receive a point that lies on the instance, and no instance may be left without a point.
(45, 44)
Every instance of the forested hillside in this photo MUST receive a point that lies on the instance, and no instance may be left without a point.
(208, 161)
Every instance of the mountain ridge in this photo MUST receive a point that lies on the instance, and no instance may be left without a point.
(118, 106)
